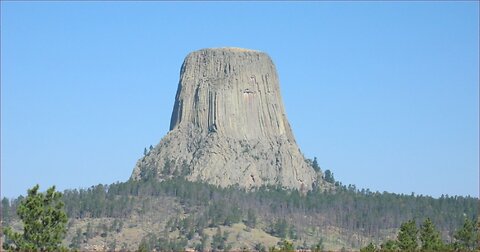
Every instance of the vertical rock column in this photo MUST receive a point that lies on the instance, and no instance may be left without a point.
(228, 125)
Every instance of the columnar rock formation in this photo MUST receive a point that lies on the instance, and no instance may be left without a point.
(228, 126)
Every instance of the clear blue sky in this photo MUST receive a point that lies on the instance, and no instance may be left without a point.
(385, 94)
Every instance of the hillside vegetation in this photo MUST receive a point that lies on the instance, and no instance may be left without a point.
(177, 213)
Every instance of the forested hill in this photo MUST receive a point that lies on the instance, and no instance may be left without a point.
(360, 215)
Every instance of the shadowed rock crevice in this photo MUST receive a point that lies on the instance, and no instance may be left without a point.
(228, 125)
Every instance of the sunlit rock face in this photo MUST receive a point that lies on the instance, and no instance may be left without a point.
(228, 126)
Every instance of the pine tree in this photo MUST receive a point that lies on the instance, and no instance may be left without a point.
(203, 241)
(287, 246)
(218, 243)
(407, 237)
(77, 239)
(318, 247)
(44, 222)
(465, 237)
(251, 218)
(260, 247)
(89, 232)
(329, 176)
(369, 248)
(315, 165)
(389, 246)
(430, 237)
(280, 228)
(5, 210)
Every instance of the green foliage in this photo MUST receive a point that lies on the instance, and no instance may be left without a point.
(260, 247)
(218, 240)
(347, 207)
(318, 247)
(285, 246)
(251, 219)
(280, 228)
(116, 226)
(478, 233)
(369, 248)
(203, 242)
(430, 237)
(244, 249)
(233, 216)
(167, 167)
(112, 245)
(209, 206)
(185, 169)
(389, 246)
(407, 237)
(315, 165)
(144, 247)
(292, 232)
(89, 234)
(465, 237)
(44, 222)
(329, 176)
(77, 239)
(151, 242)
(5, 211)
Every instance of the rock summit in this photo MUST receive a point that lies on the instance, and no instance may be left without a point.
(228, 126)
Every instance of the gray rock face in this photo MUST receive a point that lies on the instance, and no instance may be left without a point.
(228, 126)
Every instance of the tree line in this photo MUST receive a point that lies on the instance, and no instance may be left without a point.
(426, 237)
(358, 211)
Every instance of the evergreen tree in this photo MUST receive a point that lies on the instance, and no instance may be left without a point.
(315, 165)
(218, 243)
(5, 210)
(76, 240)
(287, 246)
(260, 247)
(430, 237)
(251, 218)
(407, 237)
(112, 246)
(369, 248)
(204, 240)
(465, 237)
(280, 228)
(292, 232)
(89, 232)
(44, 222)
(389, 246)
(318, 247)
(478, 233)
(329, 176)
(143, 247)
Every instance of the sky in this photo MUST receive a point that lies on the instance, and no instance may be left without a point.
(384, 94)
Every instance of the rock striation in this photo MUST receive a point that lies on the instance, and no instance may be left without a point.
(228, 126)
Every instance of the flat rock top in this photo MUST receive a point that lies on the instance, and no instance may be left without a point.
(225, 50)
(234, 49)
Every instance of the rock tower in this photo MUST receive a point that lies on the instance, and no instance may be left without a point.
(228, 126)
